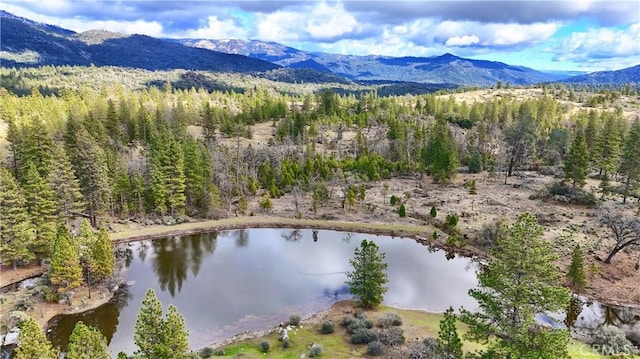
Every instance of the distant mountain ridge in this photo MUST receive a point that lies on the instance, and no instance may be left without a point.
(447, 68)
(27, 43)
(24, 42)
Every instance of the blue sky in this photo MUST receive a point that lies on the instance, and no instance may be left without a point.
(583, 35)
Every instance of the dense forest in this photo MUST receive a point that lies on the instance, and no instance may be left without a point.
(167, 153)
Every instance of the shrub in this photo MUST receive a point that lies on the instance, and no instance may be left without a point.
(611, 339)
(394, 200)
(294, 320)
(475, 162)
(392, 336)
(402, 212)
(452, 220)
(347, 320)
(266, 203)
(363, 336)
(264, 346)
(327, 327)
(562, 192)
(375, 348)
(219, 352)
(434, 211)
(359, 323)
(315, 350)
(389, 319)
(206, 352)
(286, 342)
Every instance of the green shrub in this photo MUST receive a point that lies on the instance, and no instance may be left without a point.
(475, 162)
(394, 200)
(294, 320)
(264, 346)
(611, 338)
(315, 350)
(402, 212)
(392, 336)
(347, 320)
(286, 342)
(452, 220)
(359, 323)
(375, 348)
(266, 203)
(219, 352)
(434, 211)
(389, 319)
(363, 336)
(206, 352)
(327, 327)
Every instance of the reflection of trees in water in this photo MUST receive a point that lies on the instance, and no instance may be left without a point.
(175, 256)
(347, 237)
(105, 318)
(315, 235)
(293, 235)
(619, 316)
(242, 237)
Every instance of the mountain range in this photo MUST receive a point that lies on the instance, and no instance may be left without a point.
(24, 42)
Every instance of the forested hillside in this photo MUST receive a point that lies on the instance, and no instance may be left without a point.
(170, 153)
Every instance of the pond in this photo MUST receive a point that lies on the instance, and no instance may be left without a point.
(233, 281)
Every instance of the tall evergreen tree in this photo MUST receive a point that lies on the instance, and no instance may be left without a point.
(41, 206)
(368, 278)
(33, 343)
(90, 164)
(36, 147)
(607, 148)
(175, 178)
(103, 257)
(576, 269)
(630, 165)
(66, 271)
(65, 185)
(87, 343)
(16, 231)
(576, 165)
(176, 334)
(448, 339)
(519, 282)
(441, 153)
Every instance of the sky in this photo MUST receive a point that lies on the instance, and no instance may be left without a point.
(580, 35)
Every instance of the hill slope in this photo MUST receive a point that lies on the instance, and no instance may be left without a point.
(628, 75)
(27, 43)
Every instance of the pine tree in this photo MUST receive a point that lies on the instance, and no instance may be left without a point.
(103, 257)
(448, 340)
(607, 150)
(441, 154)
(33, 343)
(41, 207)
(16, 231)
(87, 343)
(36, 147)
(148, 334)
(577, 163)
(65, 185)
(66, 270)
(159, 338)
(519, 282)
(630, 165)
(176, 334)
(576, 272)
(366, 281)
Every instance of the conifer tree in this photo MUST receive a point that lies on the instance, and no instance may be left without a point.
(448, 340)
(175, 179)
(16, 232)
(41, 207)
(576, 272)
(103, 257)
(148, 334)
(607, 148)
(65, 185)
(441, 154)
(87, 343)
(368, 278)
(176, 334)
(577, 163)
(66, 270)
(33, 343)
(519, 282)
(630, 165)
(36, 147)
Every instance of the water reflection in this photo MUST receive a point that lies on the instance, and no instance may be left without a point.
(228, 283)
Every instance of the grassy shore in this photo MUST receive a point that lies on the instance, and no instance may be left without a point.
(417, 325)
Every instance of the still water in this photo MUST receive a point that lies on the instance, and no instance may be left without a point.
(233, 281)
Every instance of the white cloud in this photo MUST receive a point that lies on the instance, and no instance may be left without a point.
(602, 43)
(217, 29)
(465, 40)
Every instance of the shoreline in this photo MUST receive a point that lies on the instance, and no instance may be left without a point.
(417, 232)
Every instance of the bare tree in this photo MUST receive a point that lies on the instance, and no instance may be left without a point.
(625, 229)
